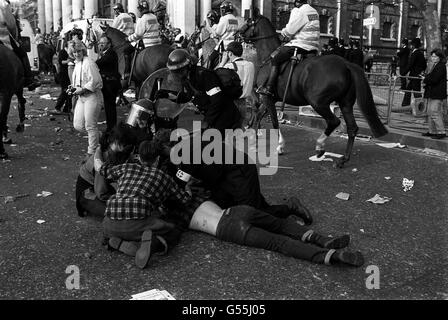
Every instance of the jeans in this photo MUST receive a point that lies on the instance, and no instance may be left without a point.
(248, 226)
(414, 85)
(95, 207)
(435, 116)
(85, 118)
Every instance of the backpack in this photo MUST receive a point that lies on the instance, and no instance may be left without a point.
(230, 81)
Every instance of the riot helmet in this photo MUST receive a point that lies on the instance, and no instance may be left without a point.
(178, 59)
(143, 6)
(226, 7)
(140, 114)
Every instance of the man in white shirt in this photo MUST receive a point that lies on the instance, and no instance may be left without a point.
(303, 29)
(232, 59)
(224, 31)
(123, 21)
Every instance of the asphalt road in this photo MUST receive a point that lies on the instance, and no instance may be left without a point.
(405, 238)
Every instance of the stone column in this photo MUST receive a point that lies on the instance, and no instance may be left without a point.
(132, 7)
(66, 11)
(245, 5)
(57, 14)
(184, 16)
(90, 8)
(41, 14)
(77, 6)
(48, 16)
(206, 6)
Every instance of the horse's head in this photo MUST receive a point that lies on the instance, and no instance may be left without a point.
(257, 27)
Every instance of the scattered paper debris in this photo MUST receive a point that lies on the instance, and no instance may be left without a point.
(377, 199)
(153, 295)
(391, 145)
(102, 122)
(407, 184)
(434, 152)
(284, 121)
(27, 125)
(355, 170)
(66, 158)
(325, 157)
(46, 97)
(13, 145)
(359, 137)
(9, 199)
(44, 168)
(280, 167)
(40, 221)
(362, 230)
(387, 178)
(343, 196)
(44, 194)
(58, 129)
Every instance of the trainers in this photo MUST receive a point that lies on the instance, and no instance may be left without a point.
(144, 252)
(354, 259)
(337, 243)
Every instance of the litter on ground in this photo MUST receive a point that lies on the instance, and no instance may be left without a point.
(377, 199)
(343, 196)
(44, 194)
(391, 145)
(407, 184)
(154, 294)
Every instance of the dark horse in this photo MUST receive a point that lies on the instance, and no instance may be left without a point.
(11, 82)
(147, 61)
(45, 53)
(316, 81)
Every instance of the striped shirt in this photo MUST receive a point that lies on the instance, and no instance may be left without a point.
(304, 28)
(140, 191)
(146, 29)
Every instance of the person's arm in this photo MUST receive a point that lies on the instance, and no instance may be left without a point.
(436, 76)
(176, 192)
(297, 20)
(140, 30)
(216, 97)
(220, 28)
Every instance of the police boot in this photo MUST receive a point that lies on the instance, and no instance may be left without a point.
(339, 257)
(326, 242)
(30, 82)
(269, 89)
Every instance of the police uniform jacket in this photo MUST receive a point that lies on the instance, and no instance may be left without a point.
(225, 29)
(124, 23)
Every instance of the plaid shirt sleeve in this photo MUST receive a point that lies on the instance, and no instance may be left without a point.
(173, 191)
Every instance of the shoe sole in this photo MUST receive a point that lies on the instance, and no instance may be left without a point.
(144, 252)
(354, 259)
(338, 243)
(125, 247)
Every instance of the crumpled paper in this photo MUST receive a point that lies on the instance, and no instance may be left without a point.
(391, 145)
(377, 199)
(325, 157)
(407, 184)
(343, 196)
(44, 194)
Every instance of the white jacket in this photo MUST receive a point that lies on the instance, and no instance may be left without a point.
(124, 23)
(225, 29)
(7, 24)
(87, 75)
(146, 29)
(303, 28)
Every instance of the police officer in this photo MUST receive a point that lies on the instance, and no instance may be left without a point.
(203, 87)
(416, 66)
(224, 30)
(403, 60)
(9, 35)
(123, 21)
(303, 29)
(147, 27)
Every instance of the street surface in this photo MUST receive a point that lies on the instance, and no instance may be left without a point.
(406, 238)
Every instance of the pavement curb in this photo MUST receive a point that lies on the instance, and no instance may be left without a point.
(413, 139)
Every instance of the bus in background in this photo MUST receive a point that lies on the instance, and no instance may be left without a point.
(29, 45)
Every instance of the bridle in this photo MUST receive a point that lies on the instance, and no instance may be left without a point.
(250, 25)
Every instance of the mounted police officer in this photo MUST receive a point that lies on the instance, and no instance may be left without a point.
(147, 27)
(224, 30)
(203, 87)
(123, 21)
(303, 29)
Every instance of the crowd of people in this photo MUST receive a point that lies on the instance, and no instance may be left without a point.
(144, 200)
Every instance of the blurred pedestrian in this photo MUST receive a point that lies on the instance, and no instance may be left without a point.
(108, 66)
(87, 85)
(436, 92)
(355, 55)
(64, 101)
(416, 66)
(403, 60)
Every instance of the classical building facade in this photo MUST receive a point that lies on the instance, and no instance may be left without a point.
(339, 18)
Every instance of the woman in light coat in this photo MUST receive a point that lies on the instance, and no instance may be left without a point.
(87, 85)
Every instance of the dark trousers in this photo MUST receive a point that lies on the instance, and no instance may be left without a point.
(254, 228)
(64, 101)
(110, 93)
(285, 53)
(403, 80)
(415, 85)
(95, 207)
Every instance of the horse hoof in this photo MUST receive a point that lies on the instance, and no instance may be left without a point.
(20, 128)
(320, 153)
(4, 156)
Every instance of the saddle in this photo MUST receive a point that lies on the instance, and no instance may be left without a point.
(299, 57)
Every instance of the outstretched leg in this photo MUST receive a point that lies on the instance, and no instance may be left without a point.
(332, 123)
(5, 101)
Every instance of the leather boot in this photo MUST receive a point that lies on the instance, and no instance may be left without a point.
(326, 242)
(269, 89)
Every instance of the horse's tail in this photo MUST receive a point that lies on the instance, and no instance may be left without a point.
(365, 100)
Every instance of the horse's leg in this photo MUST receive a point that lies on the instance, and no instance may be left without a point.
(21, 108)
(352, 130)
(275, 124)
(332, 123)
(5, 101)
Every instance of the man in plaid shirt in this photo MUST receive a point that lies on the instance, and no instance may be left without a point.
(132, 213)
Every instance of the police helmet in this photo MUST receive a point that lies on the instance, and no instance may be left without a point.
(119, 7)
(143, 6)
(226, 7)
(213, 16)
(178, 59)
